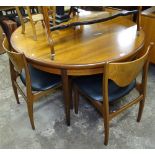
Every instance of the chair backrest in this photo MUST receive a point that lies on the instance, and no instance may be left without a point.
(125, 72)
(18, 63)
(17, 59)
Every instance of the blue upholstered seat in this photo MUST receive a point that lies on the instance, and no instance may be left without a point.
(41, 80)
(92, 87)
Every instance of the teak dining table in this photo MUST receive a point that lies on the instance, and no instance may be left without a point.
(81, 50)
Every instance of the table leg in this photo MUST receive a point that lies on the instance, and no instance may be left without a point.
(70, 92)
(66, 83)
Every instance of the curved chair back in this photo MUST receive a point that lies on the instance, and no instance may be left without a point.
(17, 63)
(17, 59)
(125, 72)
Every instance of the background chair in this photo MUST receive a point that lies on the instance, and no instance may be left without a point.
(118, 80)
(38, 83)
(8, 26)
(33, 18)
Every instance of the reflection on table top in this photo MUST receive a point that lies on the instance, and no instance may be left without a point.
(92, 17)
(149, 12)
(112, 40)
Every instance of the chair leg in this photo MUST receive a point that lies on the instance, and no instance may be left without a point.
(30, 112)
(32, 23)
(23, 28)
(34, 32)
(76, 100)
(43, 24)
(15, 92)
(141, 107)
(13, 79)
(21, 19)
(106, 129)
(70, 92)
(66, 94)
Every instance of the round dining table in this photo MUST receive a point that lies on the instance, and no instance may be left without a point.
(79, 51)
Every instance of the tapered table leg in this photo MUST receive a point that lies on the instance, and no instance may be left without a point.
(66, 83)
(70, 92)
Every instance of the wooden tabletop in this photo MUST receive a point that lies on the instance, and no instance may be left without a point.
(113, 40)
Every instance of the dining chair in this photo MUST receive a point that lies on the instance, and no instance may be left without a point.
(32, 18)
(117, 80)
(38, 83)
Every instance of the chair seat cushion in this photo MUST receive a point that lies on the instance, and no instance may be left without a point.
(92, 87)
(40, 80)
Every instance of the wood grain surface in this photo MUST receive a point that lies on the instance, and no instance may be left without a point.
(83, 46)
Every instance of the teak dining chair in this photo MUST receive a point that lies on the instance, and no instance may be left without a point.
(33, 18)
(38, 83)
(117, 80)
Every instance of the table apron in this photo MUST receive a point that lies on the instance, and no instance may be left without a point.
(71, 72)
